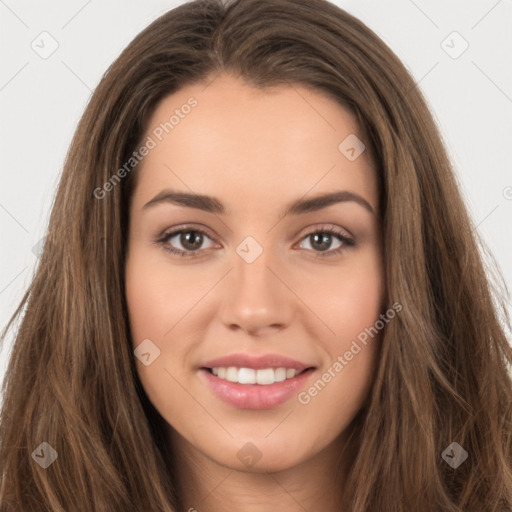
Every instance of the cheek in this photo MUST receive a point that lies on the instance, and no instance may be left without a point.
(151, 303)
(154, 308)
(163, 305)
(352, 311)
(157, 297)
(351, 300)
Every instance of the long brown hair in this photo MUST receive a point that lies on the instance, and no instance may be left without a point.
(443, 371)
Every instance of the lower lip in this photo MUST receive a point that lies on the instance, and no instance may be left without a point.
(255, 396)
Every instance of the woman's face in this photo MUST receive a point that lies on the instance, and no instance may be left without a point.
(263, 291)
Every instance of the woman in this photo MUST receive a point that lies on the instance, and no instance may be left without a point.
(260, 287)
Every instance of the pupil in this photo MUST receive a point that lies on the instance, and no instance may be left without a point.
(186, 238)
(324, 241)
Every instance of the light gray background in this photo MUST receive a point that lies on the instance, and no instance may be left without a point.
(43, 99)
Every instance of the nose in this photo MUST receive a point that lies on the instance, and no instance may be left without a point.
(257, 298)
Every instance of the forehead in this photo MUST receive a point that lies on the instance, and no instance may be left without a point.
(250, 143)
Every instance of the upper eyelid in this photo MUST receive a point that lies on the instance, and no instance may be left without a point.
(174, 231)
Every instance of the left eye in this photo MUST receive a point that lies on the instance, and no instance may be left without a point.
(323, 240)
(191, 241)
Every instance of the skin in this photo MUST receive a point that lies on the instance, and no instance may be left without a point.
(256, 151)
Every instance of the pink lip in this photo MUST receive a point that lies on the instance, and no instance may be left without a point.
(256, 362)
(255, 396)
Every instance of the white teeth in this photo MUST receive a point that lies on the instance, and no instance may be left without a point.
(247, 376)
(264, 377)
(232, 374)
(280, 374)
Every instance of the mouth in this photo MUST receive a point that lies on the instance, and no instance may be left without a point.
(247, 382)
(262, 377)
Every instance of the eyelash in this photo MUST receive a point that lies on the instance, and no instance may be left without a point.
(346, 241)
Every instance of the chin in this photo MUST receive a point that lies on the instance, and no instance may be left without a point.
(260, 455)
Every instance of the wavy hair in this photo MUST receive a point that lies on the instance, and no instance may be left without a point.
(443, 374)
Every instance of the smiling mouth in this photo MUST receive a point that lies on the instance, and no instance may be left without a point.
(261, 376)
(264, 387)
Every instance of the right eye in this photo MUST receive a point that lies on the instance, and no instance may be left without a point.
(190, 238)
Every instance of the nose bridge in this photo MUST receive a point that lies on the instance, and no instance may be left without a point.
(254, 279)
(257, 297)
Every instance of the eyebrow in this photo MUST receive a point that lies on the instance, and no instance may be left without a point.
(296, 207)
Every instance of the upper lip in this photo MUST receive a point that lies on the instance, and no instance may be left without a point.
(256, 362)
